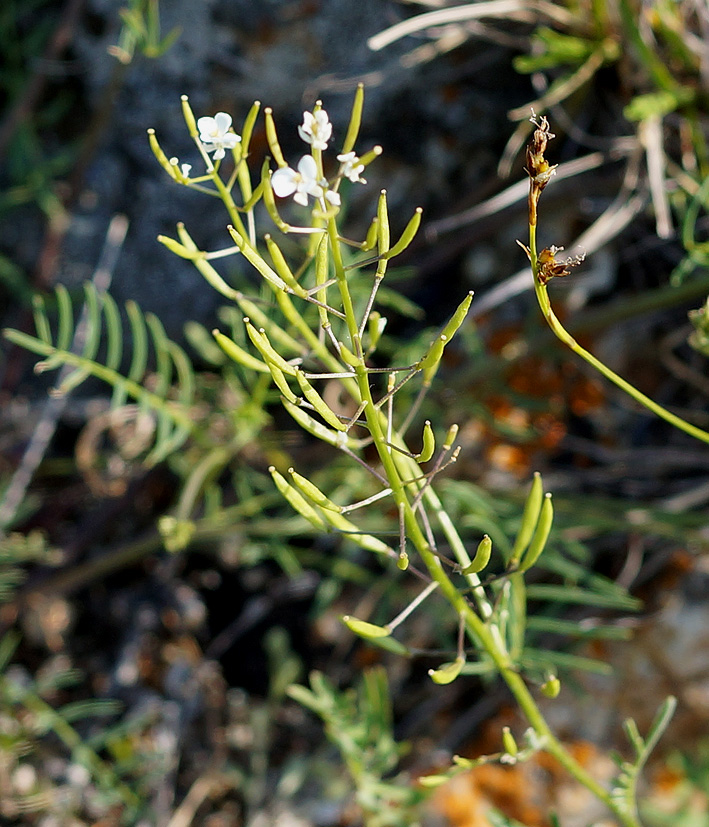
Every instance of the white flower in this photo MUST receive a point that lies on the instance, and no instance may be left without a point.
(351, 167)
(333, 197)
(185, 170)
(300, 184)
(215, 135)
(316, 129)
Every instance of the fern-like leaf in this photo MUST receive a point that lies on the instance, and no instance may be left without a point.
(75, 349)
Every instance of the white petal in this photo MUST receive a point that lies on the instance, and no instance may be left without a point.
(283, 182)
(333, 197)
(301, 198)
(206, 126)
(308, 168)
(219, 154)
(223, 122)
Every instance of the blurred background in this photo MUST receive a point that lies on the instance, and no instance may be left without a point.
(181, 660)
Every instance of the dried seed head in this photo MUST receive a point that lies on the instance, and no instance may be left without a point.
(550, 268)
(538, 168)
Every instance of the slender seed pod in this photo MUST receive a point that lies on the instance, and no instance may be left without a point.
(355, 120)
(429, 443)
(267, 272)
(312, 492)
(185, 237)
(366, 541)
(450, 437)
(160, 155)
(407, 236)
(530, 517)
(540, 537)
(238, 354)
(364, 629)
(280, 264)
(429, 363)
(248, 127)
(458, 317)
(265, 348)
(383, 237)
(296, 500)
(375, 327)
(509, 743)
(317, 429)
(368, 157)
(175, 247)
(482, 557)
(318, 402)
(281, 383)
(448, 672)
(348, 357)
(272, 138)
(321, 274)
(371, 238)
(189, 117)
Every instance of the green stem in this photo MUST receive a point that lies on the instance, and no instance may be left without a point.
(564, 336)
(477, 627)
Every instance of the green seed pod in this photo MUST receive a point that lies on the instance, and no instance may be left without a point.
(551, 687)
(368, 157)
(541, 535)
(355, 120)
(429, 363)
(530, 517)
(272, 138)
(296, 500)
(448, 672)
(317, 429)
(429, 443)
(248, 127)
(185, 237)
(348, 357)
(188, 115)
(450, 437)
(365, 541)
(213, 278)
(265, 348)
(458, 317)
(509, 743)
(238, 354)
(312, 492)
(402, 561)
(322, 264)
(259, 264)
(363, 629)
(160, 155)
(407, 236)
(371, 237)
(482, 557)
(281, 383)
(318, 402)
(375, 327)
(280, 264)
(175, 247)
(383, 236)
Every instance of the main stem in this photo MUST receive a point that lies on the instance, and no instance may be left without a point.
(479, 629)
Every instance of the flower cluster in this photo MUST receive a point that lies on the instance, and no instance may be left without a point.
(306, 180)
